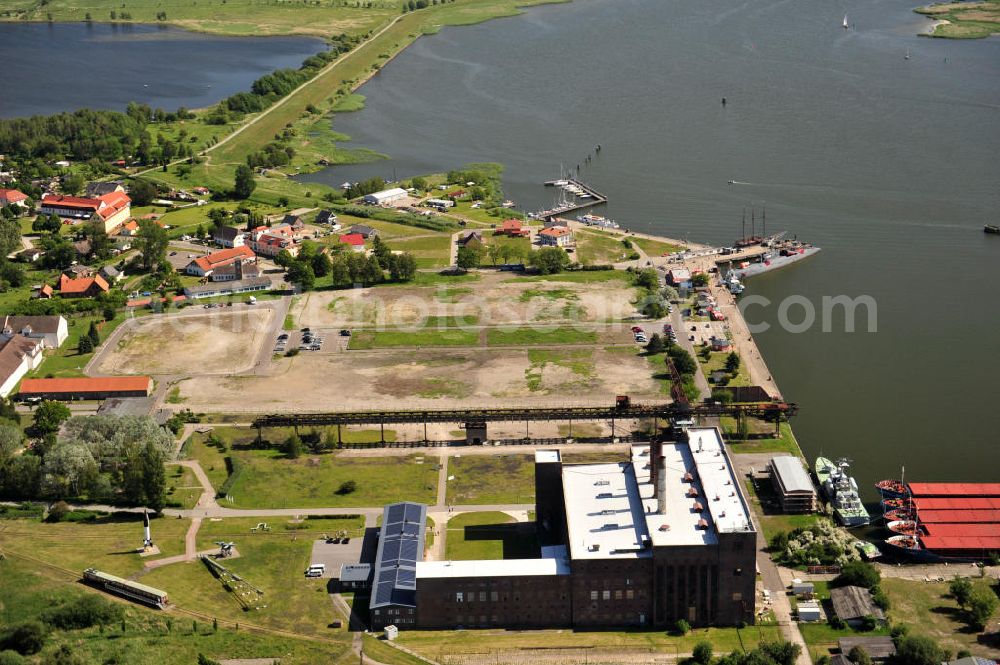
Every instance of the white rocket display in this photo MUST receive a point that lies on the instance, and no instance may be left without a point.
(148, 540)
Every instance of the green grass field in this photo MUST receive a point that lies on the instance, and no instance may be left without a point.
(717, 361)
(28, 589)
(972, 20)
(183, 488)
(597, 247)
(784, 443)
(271, 481)
(929, 610)
(66, 360)
(491, 479)
(419, 338)
(539, 336)
(488, 535)
(655, 247)
(576, 277)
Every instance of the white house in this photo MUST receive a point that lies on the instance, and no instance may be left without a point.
(18, 356)
(386, 196)
(229, 236)
(50, 329)
(556, 236)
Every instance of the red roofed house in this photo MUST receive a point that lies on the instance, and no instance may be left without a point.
(83, 287)
(98, 387)
(512, 228)
(13, 197)
(270, 241)
(113, 209)
(204, 265)
(354, 240)
(556, 236)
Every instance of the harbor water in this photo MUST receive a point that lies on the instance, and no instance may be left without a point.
(887, 163)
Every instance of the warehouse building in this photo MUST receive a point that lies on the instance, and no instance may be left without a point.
(100, 387)
(642, 543)
(792, 484)
(386, 197)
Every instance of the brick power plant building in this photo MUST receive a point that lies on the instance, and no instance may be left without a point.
(664, 536)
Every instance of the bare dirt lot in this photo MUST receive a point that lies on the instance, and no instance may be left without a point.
(209, 343)
(495, 299)
(430, 379)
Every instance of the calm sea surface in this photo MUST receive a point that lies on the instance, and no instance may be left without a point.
(891, 165)
(64, 67)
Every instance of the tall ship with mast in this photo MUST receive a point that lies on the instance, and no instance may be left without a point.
(841, 491)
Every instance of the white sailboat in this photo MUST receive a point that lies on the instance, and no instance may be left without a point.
(845, 22)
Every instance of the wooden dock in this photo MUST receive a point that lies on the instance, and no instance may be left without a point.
(596, 198)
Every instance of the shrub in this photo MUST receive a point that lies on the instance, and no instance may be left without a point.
(58, 512)
(83, 612)
(858, 573)
(26, 638)
(682, 627)
(347, 487)
(702, 653)
(11, 658)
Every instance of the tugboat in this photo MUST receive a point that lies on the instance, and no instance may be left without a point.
(841, 490)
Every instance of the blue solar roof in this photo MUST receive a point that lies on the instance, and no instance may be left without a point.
(400, 546)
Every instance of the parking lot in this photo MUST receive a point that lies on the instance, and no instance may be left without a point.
(303, 340)
(334, 554)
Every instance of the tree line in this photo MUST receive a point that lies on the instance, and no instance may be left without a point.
(347, 268)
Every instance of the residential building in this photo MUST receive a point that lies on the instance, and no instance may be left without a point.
(853, 603)
(792, 484)
(679, 277)
(232, 287)
(326, 217)
(363, 230)
(470, 237)
(204, 265)
(30, 255)
(82, 287)
(50, 329)
(111, 274)
(18, 356)
(556, 236)
(13, 197)
(237, 270)
(129, 229)
(440, 204)
(355, 576)
(229, 236)
(386, 197)
(354, 240)
(112, 209)
(721, 344)
(666, 535)
(98, 387)
(294, 221)
(513, 228)
(95, 189)
(878, 647)
(270, 241)
(555, 221)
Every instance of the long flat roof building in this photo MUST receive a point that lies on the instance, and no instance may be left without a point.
(792, 484)
(400, 547)
(96, 387)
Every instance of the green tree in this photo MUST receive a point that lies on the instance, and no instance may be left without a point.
(859, 656)
(468, 257)
(732, 362)
(682, 627)
(918, 650)
(142, 192)
(154, 477)
(655, 344)
(26, 638)
(293, 447)
(550, 260)
(647, 279)
(402, 267)
(85, 345)
(981, 604)
(347, 487)
(72, 183)
(93, 334)
(49, 416)
(960, 589)
(301, 273)
(858, 573)
(10, 236)
(381, 250)
(284, 259)
(419, 183)
(244, 182)
(46, 224)
(152, 241)
(701, 279)
(702, 653)
(320, 264)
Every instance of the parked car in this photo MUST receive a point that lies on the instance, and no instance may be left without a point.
(637, 329)
(345, 333)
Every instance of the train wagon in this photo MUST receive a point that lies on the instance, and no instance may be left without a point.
(139, 593)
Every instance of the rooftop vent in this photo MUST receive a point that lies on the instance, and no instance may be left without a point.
(702, 523)
(594, 547)
(697, 507)
(602, 482)
(664, 527)
(610, 525)
(692, 492)
(607, 511)
(604, 495)
(688, 478)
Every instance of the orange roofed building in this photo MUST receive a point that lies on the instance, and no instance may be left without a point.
(98, 387)
(112, 209)
(203, 266)
(513, 228)
(83, 287)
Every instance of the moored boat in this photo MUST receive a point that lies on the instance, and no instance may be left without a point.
(892, 488)
(900, 514)
(868, 550)
(891, 504)
(905, 527)
(991, 228)
(841, 491)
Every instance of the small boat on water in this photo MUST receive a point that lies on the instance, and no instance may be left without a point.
(992, 228)
(596, 220)
(908, 544)
(905, 527)
(841, 490)
(900, 503)
(900, 514)
(892, 488)
(868, 551)
(846, 25)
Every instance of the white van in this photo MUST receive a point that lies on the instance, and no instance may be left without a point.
(316, 570)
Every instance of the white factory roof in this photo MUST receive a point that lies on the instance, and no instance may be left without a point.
(604, 512)
(553, 562)
(388, 194)
(697, 472)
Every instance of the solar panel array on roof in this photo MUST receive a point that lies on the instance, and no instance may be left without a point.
(400, 546)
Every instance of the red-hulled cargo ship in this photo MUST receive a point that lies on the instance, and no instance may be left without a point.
(945, 521)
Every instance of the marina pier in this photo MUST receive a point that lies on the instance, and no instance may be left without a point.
(584, 196)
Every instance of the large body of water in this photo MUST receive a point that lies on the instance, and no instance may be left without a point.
(891, 165)
(48, 68)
